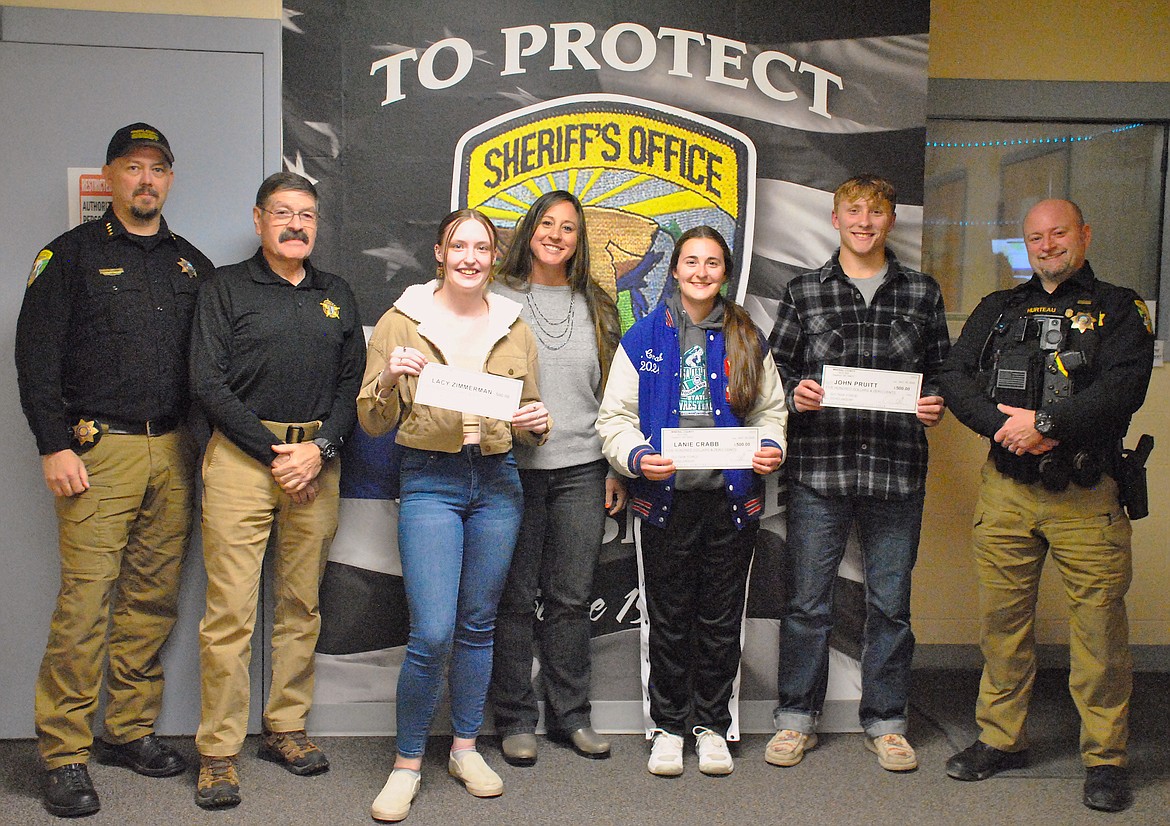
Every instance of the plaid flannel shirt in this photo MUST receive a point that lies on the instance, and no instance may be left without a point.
(822, 319)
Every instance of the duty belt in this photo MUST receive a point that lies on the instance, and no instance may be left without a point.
(154, 427)
(294, 432)
(88, 432)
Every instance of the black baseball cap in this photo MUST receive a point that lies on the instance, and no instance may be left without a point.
(138, 134)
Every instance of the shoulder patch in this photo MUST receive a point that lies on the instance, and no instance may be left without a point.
(38, 266)
(1142, 309)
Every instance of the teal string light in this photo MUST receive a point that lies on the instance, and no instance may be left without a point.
(941, 222)
(1029, 141)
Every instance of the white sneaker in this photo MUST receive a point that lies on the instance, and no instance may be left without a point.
(666, 755)
(393, 802)
(714, 758)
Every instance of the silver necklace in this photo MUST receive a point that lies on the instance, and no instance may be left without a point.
(553, 333)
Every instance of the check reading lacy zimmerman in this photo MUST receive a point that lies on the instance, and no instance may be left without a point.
(468, 391)
(861, 388)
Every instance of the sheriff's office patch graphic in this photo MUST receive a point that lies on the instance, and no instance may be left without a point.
(643, 171)
(1142, 309)
(330, 309)
(38, 266)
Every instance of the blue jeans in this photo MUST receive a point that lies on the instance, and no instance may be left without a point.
(457, 525)
(818, 527)
(556, 556)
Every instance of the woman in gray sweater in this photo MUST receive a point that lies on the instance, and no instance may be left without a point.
(567, 490)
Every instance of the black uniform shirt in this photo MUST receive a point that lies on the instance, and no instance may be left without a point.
(105, 327)
(265, 349)
(1099, 411)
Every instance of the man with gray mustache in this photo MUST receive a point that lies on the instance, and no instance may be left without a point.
(277, 356)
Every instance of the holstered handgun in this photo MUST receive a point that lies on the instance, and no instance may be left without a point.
(1131, 478)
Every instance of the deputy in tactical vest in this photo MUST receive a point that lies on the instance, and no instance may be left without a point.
(1042, 350)
(1052, 371)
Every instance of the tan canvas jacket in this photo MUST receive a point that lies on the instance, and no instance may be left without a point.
(411, 323)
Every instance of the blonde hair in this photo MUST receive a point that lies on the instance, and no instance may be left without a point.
(866, 188)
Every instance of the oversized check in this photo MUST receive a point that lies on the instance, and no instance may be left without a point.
(468, 391)
(862, 389)
(710, 448)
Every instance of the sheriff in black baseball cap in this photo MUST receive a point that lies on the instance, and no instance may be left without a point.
(138, 134)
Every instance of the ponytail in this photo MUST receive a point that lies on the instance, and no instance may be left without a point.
(744, 358)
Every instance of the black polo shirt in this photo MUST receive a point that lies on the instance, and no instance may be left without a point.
(105, 327)
(265, 349)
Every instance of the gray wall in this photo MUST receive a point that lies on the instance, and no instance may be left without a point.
(70, 79)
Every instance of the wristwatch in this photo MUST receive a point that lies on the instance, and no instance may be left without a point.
(329, 450)
(1043, 422)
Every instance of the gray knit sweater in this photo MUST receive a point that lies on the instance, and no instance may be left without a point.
(570, 377)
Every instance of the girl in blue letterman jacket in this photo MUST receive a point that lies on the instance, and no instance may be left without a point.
(697, 361)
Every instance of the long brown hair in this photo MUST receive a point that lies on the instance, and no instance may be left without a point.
(740, 334)
(516, 268)
(447, 228)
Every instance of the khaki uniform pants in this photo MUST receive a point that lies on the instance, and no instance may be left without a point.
(122, 544)
(242, 505)
(1088, 537)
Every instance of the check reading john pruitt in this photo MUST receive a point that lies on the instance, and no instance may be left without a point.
(862, 389)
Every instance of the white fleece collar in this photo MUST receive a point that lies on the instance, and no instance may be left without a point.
(417, 303)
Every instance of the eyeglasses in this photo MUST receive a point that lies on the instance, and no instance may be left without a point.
(281, 217)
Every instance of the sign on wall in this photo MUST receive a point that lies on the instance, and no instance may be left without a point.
(89, 195)
(646, 171)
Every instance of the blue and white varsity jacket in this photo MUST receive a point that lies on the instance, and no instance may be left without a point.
(642, 397)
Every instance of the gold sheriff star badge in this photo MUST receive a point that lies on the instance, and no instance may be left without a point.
(330, 309)
(1081, 321)
(85, 432)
